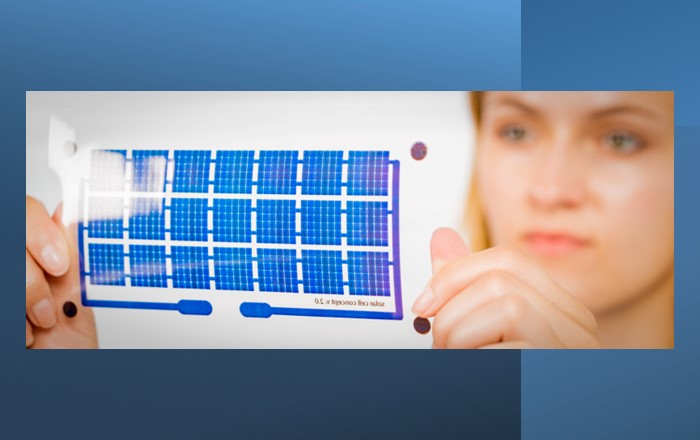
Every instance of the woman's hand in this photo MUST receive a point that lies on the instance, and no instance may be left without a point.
(52, 280)
(499, 299)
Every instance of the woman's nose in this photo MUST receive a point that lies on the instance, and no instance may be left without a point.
(558, 180)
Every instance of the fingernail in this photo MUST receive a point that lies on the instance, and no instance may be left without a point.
(423, 301)
(44, 313)
(53, 259)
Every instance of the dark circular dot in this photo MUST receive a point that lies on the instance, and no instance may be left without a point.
(422, 325)
(70, 309)
(419, 151)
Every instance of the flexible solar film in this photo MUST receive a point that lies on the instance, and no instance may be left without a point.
(289, 232)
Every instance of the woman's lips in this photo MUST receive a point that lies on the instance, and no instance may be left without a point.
(555, 244)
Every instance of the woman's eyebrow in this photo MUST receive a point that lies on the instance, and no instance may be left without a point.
(509, 102)
(625, 109)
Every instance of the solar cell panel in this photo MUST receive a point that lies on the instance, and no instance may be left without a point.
(147, 266)
(277, 270)
(277, 172)
(188, 219)
(190, 267)
(107, 264)
(147, 219)
(234, 172)
(233, 269)
(191, 171)
(232, 220)
(312, 225)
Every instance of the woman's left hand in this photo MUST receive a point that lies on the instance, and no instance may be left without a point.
(498, 298)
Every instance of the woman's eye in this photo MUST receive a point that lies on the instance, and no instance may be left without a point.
(622, 142)
(514, 133)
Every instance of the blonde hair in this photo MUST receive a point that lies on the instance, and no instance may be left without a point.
(474, 219)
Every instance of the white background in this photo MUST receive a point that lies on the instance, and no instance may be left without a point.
(433, 191)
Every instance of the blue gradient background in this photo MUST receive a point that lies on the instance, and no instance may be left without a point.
(361, 45)
(248, 45)
(623, 45)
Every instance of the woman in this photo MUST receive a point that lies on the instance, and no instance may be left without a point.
(575, 191)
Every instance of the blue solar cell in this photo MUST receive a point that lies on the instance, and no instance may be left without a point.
(368, 273)
(188, 219)
(322, 172)
(106, 217)
(368, 173)
(149, 170)
(277, 270)
(107, 264)
(232, 220)
(190, 267)
(234, 172)
(233, 268)
(368, 224)
(320, 222)
(277, 172)
(147, 220)
(147, 265)
(191, 171)
(323, 271)
(107, 170)
(276, 221)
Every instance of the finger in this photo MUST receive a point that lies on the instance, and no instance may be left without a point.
(495, 285)
(459, 274)
(45, 242)
(67, 288)
(510, 345)
(40, 305)
(30, 334)
(445, 245)
(504, 320)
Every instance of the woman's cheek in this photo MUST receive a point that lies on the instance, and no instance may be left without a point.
(502, 186)
(635, 238)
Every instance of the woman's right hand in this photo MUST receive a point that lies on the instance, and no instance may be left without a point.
(53, 280)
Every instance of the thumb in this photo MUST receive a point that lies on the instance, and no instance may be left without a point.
(446, 245)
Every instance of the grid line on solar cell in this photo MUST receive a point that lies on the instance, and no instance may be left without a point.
(368, 273)
(233, 268)
(276, 221)
(191, 171)
(106, 217)
(322, 173)
(232, 220)
(190, 267)
(322, 271)
(277, 270)
(234, 172)
(277, 172)
(150, 168)
(107, 170)
(321, 222)
(368, 173)
(188, 219)
(107, 264)
(147, 266)
(147, 219)
(368, 223)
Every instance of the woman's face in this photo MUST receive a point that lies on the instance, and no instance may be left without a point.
(583, 183)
